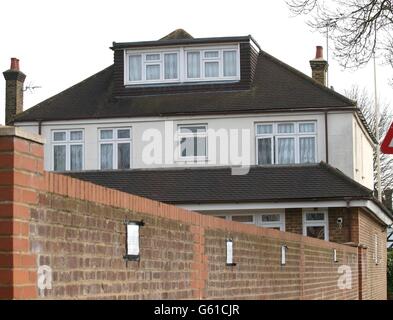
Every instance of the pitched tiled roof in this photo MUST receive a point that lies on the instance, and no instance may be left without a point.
(217, 184)
(177, 34)
(276, 87)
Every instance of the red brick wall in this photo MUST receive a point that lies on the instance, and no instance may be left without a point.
(21, 169)
(182, 253)
(375, 282)
(76, 228)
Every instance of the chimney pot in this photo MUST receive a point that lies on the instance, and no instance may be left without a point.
(319, 52)
(14, 64)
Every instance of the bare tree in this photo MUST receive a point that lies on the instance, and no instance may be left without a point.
(366, 104)
(358, 28)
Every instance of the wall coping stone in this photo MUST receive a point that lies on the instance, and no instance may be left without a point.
(10, 131)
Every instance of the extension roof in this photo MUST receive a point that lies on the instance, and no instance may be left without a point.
(278, 183)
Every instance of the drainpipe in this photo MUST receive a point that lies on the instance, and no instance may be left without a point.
(39, 127)
(349, 214)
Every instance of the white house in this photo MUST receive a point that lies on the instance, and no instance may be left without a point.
(170, 117)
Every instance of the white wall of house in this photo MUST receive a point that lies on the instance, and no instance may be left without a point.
(363, 155)
(344, 133)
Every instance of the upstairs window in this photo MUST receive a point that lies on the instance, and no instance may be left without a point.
(193, 142)
(67, 150)
(115, 148)
(205, 65)
(286, 143)
(183, 64)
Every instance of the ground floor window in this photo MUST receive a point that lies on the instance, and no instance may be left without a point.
(271, 220)
(315, 224)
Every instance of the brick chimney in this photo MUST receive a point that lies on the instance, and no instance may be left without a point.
(13, 91)
(319, 66)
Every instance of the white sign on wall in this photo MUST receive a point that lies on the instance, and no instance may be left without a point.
(132, 239)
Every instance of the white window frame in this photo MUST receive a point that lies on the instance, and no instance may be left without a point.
(272, 224)
(67, 143)
(146, 62)
(316, 223)
(181, 135)
(182, 64)
(114, 141)
(296, 135)
(257, 219)
(219, 59)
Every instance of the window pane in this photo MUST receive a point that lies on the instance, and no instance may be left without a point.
(229, 63)
(76, 135)
(316, 232)
(106, 156)
(264, 129)
(123, 156)
(307, 150)
(243, 218)
(200, 143)
(270, 217)
(59, 136)
(315, 216)
(106, 134)
(285, 128)
(170, 65)
(152, 57)
(211, 69)
(59, 158)
(135, 66)
(123, 133)
(285, 150)
(193, 65)
(153, 72)
(211, 54)
(187, 147)
(306, 127)
(76, 157)
(193, 129)
(221, 217)
(265, 151)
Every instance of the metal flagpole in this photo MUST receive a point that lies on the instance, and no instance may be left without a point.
(377, 116)
(327, 54)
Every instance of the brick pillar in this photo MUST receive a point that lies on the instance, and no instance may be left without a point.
(21, 177)
(200, 264)
(362, 269)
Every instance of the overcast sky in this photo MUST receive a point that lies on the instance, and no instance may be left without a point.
(60, 43)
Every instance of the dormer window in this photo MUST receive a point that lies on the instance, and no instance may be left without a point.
(207, 65)
(153, 67)
(183, 64)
